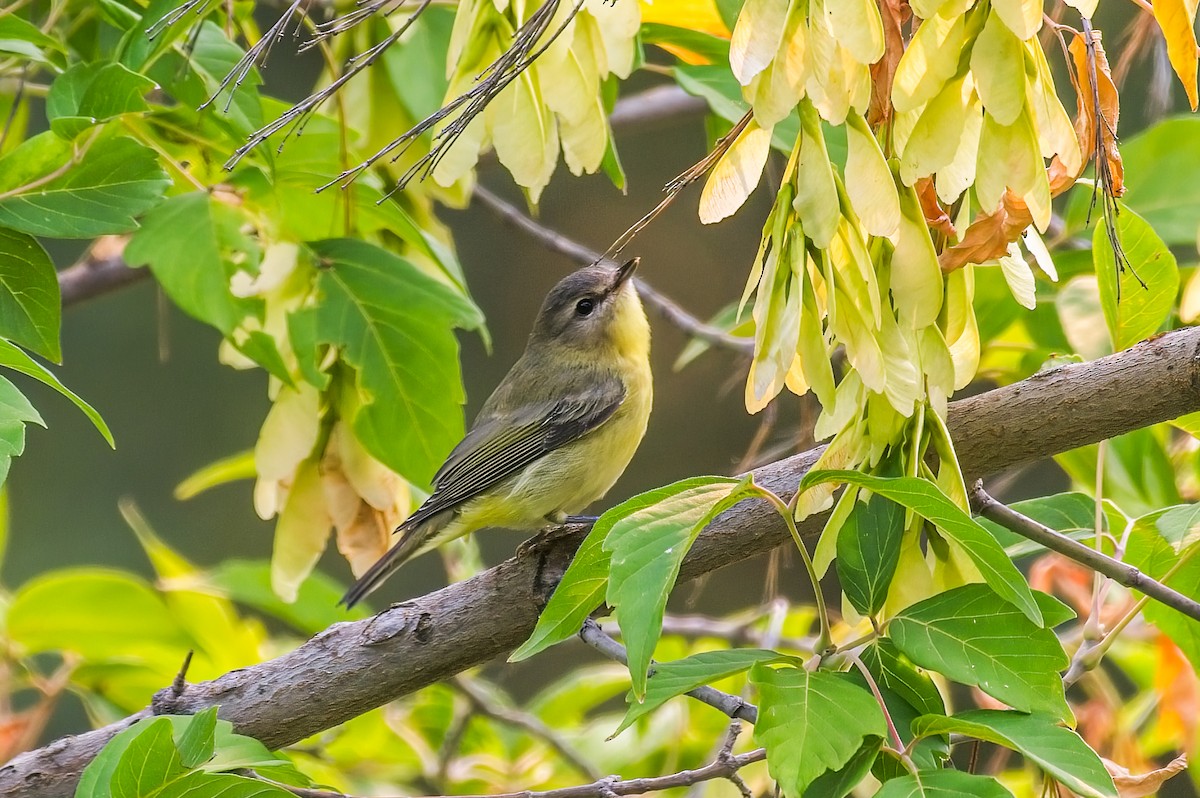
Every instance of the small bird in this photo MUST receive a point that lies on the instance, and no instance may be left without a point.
(555, 434)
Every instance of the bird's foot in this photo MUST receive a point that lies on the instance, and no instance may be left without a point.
(559, 527)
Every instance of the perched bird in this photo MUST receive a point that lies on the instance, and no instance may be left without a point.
(555, 434)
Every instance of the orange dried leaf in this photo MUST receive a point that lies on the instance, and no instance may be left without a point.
(935, 215)
(1177, 18)
(1110, 110)
(883, 71)
(989, 235)
(1144, 784)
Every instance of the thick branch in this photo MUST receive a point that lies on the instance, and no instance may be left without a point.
(1086, 556)
(353, 667)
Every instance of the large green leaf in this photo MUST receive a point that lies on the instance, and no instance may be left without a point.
(44, 193)
(1057, 750)
(194, 244)
(943, 784)
(87, 94)
(1134, 312)
(671, 679)
(868, 550)
(923, 497)
(395, 326)
(14, 358)
(646, 550)
(193, 77)
(891, 669)
(969, 635)
(148, 763)
(97, 614)
(840, 782)
(811, 723)
(198, 742)
(583, 586)
(714, 48)
(30, 306)
(199, 784)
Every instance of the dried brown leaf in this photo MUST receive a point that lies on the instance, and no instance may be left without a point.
(1143, 784)
(989, 235)
(935, 215)
(1086, 117)
(894, 13)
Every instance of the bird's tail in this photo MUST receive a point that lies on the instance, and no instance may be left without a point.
(414, 540)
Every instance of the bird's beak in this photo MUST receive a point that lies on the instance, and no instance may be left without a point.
(625, 271)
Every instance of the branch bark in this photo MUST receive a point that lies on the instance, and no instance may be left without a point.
(353, 667)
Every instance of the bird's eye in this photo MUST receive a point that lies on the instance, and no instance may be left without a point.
(584, 307)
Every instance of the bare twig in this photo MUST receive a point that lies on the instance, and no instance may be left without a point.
(732, 705)
(353, 667)
(487, 705)
(557, 242)
(1099, 562)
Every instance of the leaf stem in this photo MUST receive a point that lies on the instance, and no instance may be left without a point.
(824, 644)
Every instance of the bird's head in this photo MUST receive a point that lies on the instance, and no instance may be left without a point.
(595, 309)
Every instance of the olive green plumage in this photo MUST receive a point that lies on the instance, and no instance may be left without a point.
(555, 434)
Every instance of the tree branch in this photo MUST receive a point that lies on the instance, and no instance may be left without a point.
(1086, 556)
(353, 667)
(732, 705)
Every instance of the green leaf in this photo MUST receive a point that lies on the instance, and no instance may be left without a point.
(811, 723)
(219, 472)
(839, 783)
(1059, 751)
(17, 360)
(892, 670)
(424, 54)
(943, 784)
(98, 614)
(24, 39)
(395, 326)
(671, 679)
(87, 94)
(42, 192)
(868, 550)
(149, 761)
(315, 608)
(194, 245)
(714, 49)
(970, 636)
(195, 76)
(646, 548)
(1069, 513)
(199, 740)
(926, 500)
(1131, 311)
(1180, 525)
(205, 785)
(30, 307)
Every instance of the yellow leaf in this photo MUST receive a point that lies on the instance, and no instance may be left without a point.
(903, 387)
(698, 15)
(1041, 256)
(836, 82)
(954, 178)
(1054, 127)
(1019, 276)
(776, 322)
(961, 328)
(378, 485)
(862, 346)
(816, 198)
(756, 37)
(1079, 310)
(937, 363)
(584, 142)
(1189, 303)
(930, 59)
(287, 437)
(736, 175)
(853, 267)
(775, 91)
(1177, 18)
(1009, 157)
(998, 64)
(300, 534)
(857, 26)
(935, 139)
(617, 25)
(844, 451)
(1023, 17)
(524, 133)
(916, 279)
(568, 75)
(812, 349)
(869, 180)
(1086, 8)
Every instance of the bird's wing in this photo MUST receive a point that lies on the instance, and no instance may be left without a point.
(502, 445)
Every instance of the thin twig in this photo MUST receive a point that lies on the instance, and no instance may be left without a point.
(557, 242)
(487, 705)
(731, 705)
(1121, 573)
